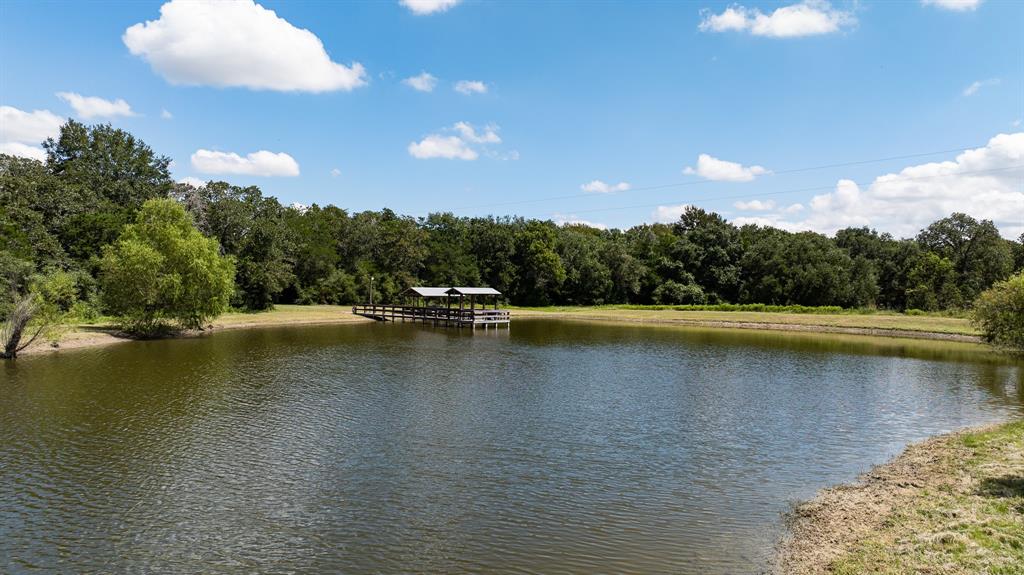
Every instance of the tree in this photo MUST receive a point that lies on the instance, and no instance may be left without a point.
(162, 269)
(978, 253)
(709, 248)
(933, 285)
(999, 313)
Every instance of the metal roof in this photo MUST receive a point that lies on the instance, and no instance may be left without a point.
(430, 291)
(474, 291)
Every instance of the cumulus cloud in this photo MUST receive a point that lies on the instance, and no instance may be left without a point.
(755, 206)
(711, 168)
(469, 87)
(88, 107)
(668, 214)
(983, 182)
(21, 132)
(241, 44)
(954, 5)
(261, 163)
(438, 146)
(335, 173)
(424, 82)
(23, 151)
(600, 187)
(979, 84)
(193, 181)
(572, 220)
(469, 133)
(460, 142)
(423, 7)
(28, 127)
(165, 114)
(808, 18)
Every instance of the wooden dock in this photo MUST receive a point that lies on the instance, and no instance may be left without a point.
(438, 316)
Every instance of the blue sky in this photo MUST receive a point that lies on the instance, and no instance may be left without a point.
(597, 101)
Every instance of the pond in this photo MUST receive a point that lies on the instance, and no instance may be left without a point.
(553, 447)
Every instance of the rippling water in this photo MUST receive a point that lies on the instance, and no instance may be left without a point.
(557, 447)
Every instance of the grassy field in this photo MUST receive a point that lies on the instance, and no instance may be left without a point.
(967, 518)
(876, 322)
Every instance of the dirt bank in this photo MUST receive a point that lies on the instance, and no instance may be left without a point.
(951, 504)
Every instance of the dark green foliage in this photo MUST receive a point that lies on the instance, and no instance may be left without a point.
(59, 214)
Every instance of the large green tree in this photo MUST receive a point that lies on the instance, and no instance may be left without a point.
(978, 253)
(163, 270)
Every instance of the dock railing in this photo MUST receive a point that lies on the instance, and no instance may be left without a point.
(443, 316)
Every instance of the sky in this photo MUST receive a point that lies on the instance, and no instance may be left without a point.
(806, 116)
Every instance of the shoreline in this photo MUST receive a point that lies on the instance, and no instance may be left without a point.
(755, 325)
(913, 512)
(89, 336)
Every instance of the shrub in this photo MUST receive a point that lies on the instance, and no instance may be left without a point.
(672, 292)
(999, 313)
(163, 270)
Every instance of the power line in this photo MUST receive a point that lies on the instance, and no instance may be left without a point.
(797, 190)
(703, 182)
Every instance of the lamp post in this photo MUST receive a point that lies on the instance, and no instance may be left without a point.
(371, 290)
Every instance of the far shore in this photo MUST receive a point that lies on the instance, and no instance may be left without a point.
(877, 325)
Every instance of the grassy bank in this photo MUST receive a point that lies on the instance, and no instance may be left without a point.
(804, 319)
(953, 504)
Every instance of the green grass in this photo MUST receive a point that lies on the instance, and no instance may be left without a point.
(973, 523)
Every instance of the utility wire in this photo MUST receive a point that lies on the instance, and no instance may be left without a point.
(703, 182)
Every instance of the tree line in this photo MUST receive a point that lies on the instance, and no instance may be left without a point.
(71, 225)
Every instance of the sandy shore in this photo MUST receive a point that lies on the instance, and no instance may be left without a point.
(946, 329)
(286, 315)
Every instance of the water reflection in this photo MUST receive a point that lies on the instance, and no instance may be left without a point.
(555, 447)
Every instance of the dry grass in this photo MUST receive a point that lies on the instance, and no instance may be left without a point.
(876, 323)
(952, 505)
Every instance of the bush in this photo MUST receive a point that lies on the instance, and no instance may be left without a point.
(162, 269)
(672, 292)
(999, 313)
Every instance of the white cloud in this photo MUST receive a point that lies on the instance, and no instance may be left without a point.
(301, 208)
(165, 114)
(205, 42)
(807, 18)
(983, 182)
(88, 107)
(193, 181)
(755, 206)
(668, 214)
(599, 187)
(572, 220)
(438, 146)
(28, 127)
(335, 173)
(23, 151)
(468, 133)
(470, 87)
(422, 7)
(460, 142)
(711, 168)
(425, 82)
(261, 163)
(977, 85)
(954, 5)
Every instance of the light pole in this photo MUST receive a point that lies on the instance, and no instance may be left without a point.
(371, 290)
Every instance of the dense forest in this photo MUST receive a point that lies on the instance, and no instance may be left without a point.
(59, 215)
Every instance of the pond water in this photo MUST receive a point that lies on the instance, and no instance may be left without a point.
(554, 447)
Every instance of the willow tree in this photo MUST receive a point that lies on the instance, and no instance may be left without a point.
(163, 271)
